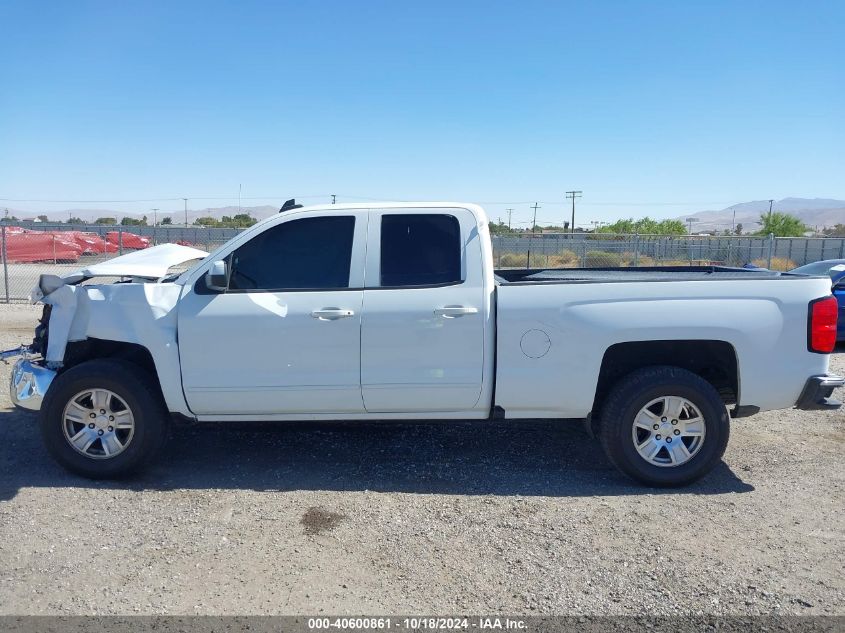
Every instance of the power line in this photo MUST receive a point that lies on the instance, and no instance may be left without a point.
(277, 196)
(95, 201)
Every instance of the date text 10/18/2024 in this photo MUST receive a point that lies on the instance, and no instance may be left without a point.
(416, 623)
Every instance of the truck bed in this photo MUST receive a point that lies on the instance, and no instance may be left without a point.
(655, 273)
(562, 316)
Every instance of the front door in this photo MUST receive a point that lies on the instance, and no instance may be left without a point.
(285, 338)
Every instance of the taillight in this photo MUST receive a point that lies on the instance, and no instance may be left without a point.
(821, 325)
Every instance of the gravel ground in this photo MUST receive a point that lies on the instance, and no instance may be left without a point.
(517, 518)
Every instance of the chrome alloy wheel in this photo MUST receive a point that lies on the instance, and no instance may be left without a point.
(98, 423)
(668, 431)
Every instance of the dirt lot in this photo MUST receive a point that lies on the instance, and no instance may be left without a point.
(517, 518)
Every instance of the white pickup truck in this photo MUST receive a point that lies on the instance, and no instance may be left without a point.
(394, 312)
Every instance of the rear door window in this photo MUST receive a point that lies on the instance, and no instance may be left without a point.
(420, 250)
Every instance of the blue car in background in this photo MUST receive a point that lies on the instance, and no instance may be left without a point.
(836, 269)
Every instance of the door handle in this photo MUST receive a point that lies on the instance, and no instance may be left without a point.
(332, 314)
(450, 312)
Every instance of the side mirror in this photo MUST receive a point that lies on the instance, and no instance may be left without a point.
(216, 277)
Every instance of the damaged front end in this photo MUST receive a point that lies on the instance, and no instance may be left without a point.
(30, 376)
(138, 310)
(29, 383)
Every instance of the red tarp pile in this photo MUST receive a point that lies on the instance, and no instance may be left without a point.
(130, 240)
(24, 245)
(91, 243)
(36, 246)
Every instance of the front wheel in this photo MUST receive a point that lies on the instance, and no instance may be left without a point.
(103, 419)
(664, 426)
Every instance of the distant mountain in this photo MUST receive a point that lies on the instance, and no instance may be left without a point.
(814, 212)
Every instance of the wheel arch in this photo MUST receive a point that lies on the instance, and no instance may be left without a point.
(714, 360)
(92, 349)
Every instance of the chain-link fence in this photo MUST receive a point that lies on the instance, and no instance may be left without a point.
(61, 249)
(600, 250)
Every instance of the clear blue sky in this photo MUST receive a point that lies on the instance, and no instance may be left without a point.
(701, 104)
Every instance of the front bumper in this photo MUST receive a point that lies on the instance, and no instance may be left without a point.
(29, 384)
(817, 392)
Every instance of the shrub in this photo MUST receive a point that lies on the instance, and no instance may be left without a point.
(513, 260)
(602, 259)
(628, 259)
(564, 259)
(778, 263)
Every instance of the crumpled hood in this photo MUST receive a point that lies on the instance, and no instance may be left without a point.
(150, 263)
(133, 312)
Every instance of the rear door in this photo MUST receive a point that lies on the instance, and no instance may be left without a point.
(422, 332)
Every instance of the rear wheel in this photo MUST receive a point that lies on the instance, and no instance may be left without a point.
(664, 426)
(103, 419)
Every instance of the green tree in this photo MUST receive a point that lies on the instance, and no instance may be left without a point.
(206, 220)
(240, 220)
(243, 219)
(645, 226)
(75, 220)
(500, 228)
(738, 228)
(166, 221)
(43, 218)
(105, 221)
(781, 225)
(127, 221)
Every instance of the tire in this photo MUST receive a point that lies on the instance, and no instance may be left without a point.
(635, 414)
(114, 450)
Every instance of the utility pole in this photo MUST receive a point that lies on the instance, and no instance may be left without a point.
(334, 197)
(571, 195)
(531, 239)
(155, 216)
(534, 224)
(509, 217)
(186, 211)
(733, 224)
(239, 198)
